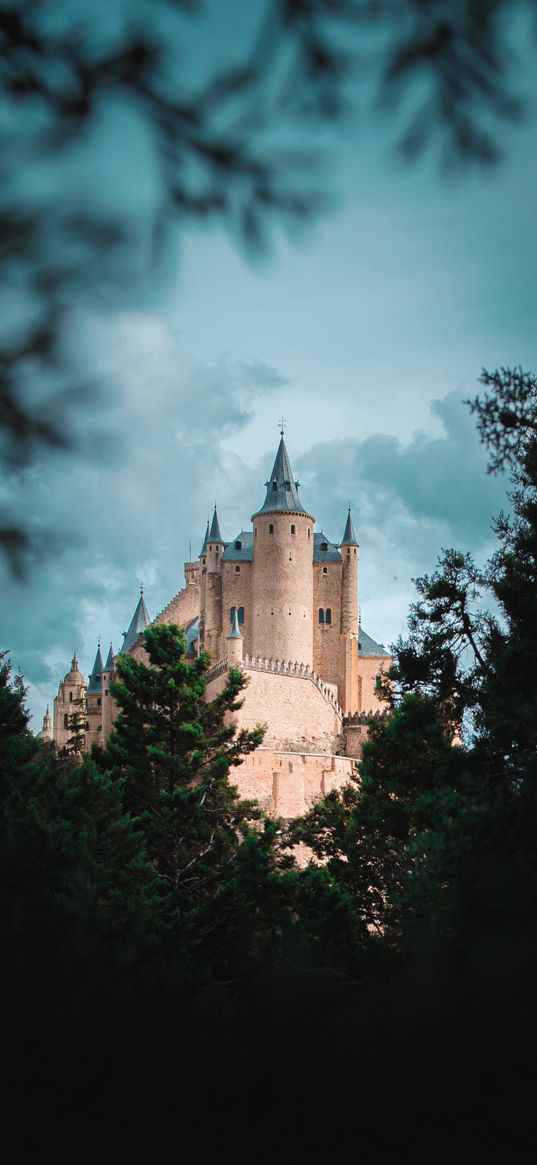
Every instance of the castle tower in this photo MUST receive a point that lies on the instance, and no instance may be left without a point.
(140, 620)
(282, 580)
(71, 691)
(109, 708)
(350, 684)
(234, 644)
(212, 615)
(94, 701)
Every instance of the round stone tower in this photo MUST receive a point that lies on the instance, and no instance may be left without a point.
(282, 575)
(349, 581)
(212, 590)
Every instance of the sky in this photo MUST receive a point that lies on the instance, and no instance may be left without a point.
(366, 329)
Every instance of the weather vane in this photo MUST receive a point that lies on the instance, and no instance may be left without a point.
(281, 425)
(141, 586)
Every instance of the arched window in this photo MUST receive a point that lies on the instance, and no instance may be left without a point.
(231, 613)
(66, 721)
(321, 615)
(328, 615)
(237, 570)
(293, 529)
(325, 570)
(241, 614)
(70, 697)
(274, 486)
(271, 529)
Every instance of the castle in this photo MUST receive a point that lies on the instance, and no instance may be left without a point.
(280, 601)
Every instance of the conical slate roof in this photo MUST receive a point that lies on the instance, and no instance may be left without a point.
(205, 540)
(349, 537)
(109, 665)
(235, 632)
(282, 490)
(214, 533)
(140, 620)
(95, 682)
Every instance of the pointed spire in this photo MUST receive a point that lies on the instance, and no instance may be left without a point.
(109, 665)
(349, 537)
(205, 540)
(140, 620)
(282, 489)
(214, 532)
(96, 678)
(235, 632)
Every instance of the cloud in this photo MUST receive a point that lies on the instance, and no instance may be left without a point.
(126, 510)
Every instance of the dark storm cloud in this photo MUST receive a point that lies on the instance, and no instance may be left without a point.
(130, 510)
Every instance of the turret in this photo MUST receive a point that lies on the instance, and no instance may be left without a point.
(140, 620)
(350, 681)
(212, 620)
(349, 581)
(109, 705)
(95, 682)
(282, 580)
(234, 642)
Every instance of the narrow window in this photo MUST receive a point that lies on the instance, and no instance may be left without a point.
(66, 721)
(293, 529)
(99, 701)
(355, 553)
(205, 562)
(271, 529)
(274, 486)
(70, 697)
(87, 725)
(287, 484)
(324, 545)
(309, 532)
(231, 614)
(321, 615)
(241, 614)
(325, 570)
(237, 570)
(238, 546)
(328, 618)
(255, 531)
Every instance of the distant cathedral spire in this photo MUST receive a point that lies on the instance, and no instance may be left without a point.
(109, 665)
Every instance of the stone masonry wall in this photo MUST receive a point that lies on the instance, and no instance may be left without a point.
(326, 637)
(286, 784)
(296, 714)
(369, 668)
(237, 592)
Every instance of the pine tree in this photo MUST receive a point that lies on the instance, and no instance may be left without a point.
(174, 750)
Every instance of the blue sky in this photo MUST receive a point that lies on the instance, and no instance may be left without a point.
(367, 329)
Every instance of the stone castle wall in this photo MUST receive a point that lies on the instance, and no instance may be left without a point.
(326, 636)
(287, 784)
